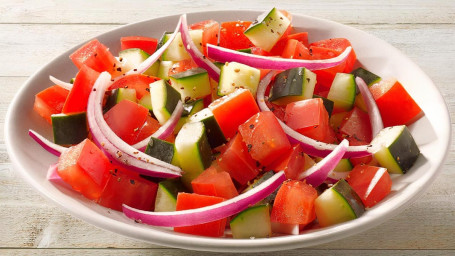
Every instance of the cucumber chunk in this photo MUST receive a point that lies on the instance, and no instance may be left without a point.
(367, 76)
(118, 95)
(337, 204)
(343, 91)
(166, 196)
(293, 85)
(395, 149)
(132, 58)
(161, 149)
(254, 222)
(193, 151)
(270, 198)
(214, 133)
(328, 104)
(192, 84)
(235, 75)
(163, 69)
(69, 129)
(164, 100)
(267, 29)
(176, 50)
(189, 109)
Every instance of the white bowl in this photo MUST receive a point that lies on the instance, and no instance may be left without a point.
(432, 134)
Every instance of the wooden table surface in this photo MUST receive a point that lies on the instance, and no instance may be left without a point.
(32, 33)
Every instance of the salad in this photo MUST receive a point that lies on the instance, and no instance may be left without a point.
(242, 129)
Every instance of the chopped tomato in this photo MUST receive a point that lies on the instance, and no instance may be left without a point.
(292, 162)
(126, 118)
(50, 101)
(210, 32)
(301, 37)
(181, 66)
(371, 183)
(96, 56)
(326, 49)
(236, 160)
(265, 139)
(186, 201)
(233, 110)
(356, 128)
(85, 168)
(295, 50)
(310, 118)
(125, 187)
(397, 107)
(212, 182)
(139, 82)
(232, 37)
(147, 44)
(78, 97)
(294, 203)
(150, 126)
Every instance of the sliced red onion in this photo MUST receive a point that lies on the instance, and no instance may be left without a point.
(319, 172)
(198, 57)
(310, 146)
(60, 83)
(338, 175)
(164, 131)
(266, 62)
(155, 56)
(114, 147)
(208, 213)
(48, 145)
(373, 110)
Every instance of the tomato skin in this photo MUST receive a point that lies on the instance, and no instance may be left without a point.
(395, 104)
(150, 126)
(236, 160)
(264, 137)
(291, 162)
(50, 101)
(147, 44)
(294, 203)
(126, 118)
(295, 50)
(181, 66)
(310, 118)
(210, 33)
(360, 178)
(212, 182)
(233, 110)
(356, 128)
(85, 168)
(139, 82)
(186, 201)
(96, 56)
(232, 37)
(78, 96)
(125, 187)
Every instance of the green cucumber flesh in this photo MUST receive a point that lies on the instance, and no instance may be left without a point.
(164, 100)
(166, 196)
(118, 95)
(163, 69)
(192, 84)
(214, 133)
(338, 204)
(343, 91)
(395, 149)
(267, 29)
(293, 85)
(189, 109)
(132, 58)
(193, 151)
(176, 50)
(69, 129)
(235, 75)
(146, 101)
(254, 222)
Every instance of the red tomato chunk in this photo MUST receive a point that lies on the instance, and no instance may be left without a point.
(50, 101)
(212, 182)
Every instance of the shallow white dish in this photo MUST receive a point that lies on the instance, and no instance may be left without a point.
(432, 134)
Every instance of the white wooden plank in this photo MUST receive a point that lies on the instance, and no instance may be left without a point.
(119, 12)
